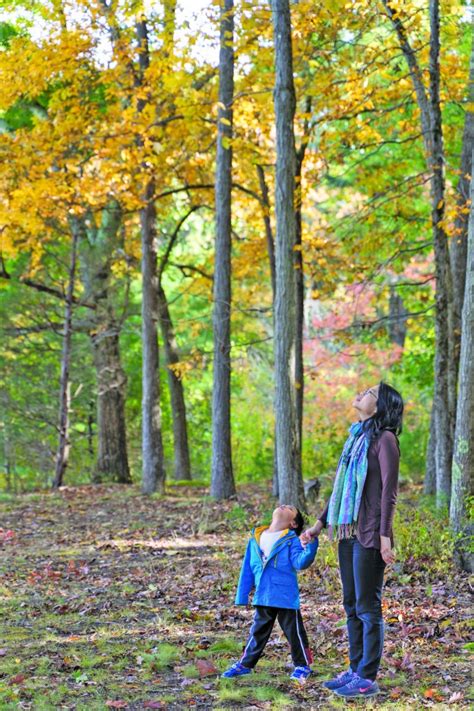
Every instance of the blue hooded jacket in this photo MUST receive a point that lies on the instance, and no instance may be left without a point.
(274, 580)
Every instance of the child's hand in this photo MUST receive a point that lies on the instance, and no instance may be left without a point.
(311, 533)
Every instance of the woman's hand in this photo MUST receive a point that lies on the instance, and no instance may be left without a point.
(386, 551)
(310, 533)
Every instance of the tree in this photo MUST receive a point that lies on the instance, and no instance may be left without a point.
(222, 478)
(463, 459)
(152, 444)
(65, 385)
(432, 132)
(286, 430)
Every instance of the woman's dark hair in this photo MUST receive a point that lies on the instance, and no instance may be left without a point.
(389, 415)
(299, 522)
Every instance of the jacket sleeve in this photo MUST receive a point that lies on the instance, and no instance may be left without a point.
(246, 579)
(324, 516)
(389, 457)
(302, 558)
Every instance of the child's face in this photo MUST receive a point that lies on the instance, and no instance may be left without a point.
(285, 515)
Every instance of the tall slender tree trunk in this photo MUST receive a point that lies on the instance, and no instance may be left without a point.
(458, 247)
(463, 460)
(62, 456)
(287, 438)
(266, 209)
(153, 471)
(431, 126)
(222, 477)
(445, 376)
(153, 477)
(182, 465)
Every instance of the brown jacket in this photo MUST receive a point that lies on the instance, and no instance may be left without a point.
(379, 496)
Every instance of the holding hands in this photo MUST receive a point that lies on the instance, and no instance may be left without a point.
(311, 533)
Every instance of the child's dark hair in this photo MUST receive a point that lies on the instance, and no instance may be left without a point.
(299, 523)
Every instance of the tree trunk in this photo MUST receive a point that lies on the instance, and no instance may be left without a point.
(153, 471)
(445, 377)
(266, 208)
(463, 460)
(431, 126)
(222, 477)
(112, 458)
(397, 324)
(182, 465)
(287, 440)
(299, 325)
(429, 486)
(152, 445)
(95, 253)
(458, 247)
(62, 455)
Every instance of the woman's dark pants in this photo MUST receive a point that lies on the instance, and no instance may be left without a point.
(362, 572)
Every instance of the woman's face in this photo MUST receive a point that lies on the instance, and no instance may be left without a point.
(366, 402)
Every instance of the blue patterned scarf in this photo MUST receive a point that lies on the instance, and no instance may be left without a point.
(349, 484)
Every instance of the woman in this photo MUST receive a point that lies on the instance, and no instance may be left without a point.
(359, 515)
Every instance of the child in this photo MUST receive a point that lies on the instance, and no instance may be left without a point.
(274, 554)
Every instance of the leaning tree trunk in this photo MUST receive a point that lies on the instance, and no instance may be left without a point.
(182, 465)
(222, 478)
(287, 441)
(62, 455)
(153, 471)
(112, 458)
(463, 459)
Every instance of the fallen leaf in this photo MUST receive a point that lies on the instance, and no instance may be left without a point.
(118, 704)
(206, 668)
(18, 679)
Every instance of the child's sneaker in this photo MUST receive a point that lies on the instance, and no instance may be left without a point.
(236, 669)
(300, 674)
(357, 688)
(341, 680)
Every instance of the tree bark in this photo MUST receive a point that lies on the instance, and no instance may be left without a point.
(153, 471)
(429, 485)
(445, 377)
(458, 247)
(266, 209)
(222, 477)
(62, 456)
(463, 460)
(287, 438)
(431, 126)
(95, 253)
(182, 465)
(112, 457)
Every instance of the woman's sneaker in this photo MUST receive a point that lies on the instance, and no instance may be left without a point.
(358, 688)
(341, 680)
(236, 669)
(300, 674)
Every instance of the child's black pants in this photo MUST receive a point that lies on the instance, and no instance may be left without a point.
(291, 623)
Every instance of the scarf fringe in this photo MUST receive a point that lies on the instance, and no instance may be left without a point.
(342, 531)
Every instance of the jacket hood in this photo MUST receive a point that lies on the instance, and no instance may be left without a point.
(258, 530)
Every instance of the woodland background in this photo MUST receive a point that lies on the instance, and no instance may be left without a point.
(218, 222)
